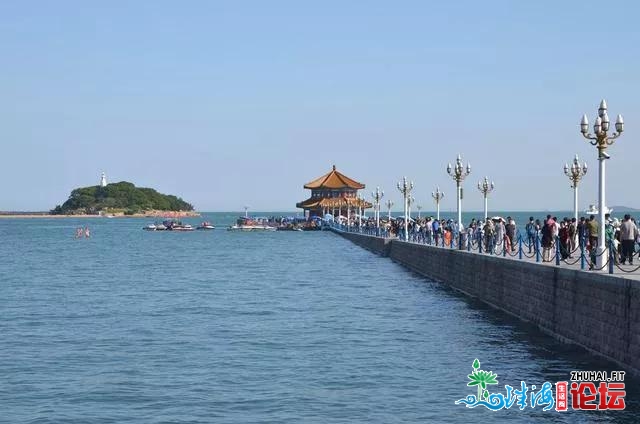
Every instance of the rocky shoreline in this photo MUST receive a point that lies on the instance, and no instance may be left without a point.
(148, 214)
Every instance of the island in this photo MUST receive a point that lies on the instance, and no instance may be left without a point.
(122, 198)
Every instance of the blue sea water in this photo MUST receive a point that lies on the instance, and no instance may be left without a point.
(222, 327)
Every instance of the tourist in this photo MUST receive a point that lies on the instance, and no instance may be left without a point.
(87, 233)
(628, 236)
(436, 231)
(79, 232)
(547, 238)
(592, 226)
(582, 231)
(511, 232)
(428, 227)
(500, 233)
(563, 235)
(489, 233)
(531, 231)
(573, 236)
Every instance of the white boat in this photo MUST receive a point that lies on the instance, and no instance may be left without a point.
(150, 227)
(248, 224)
(593, 210)
(206, 226)
(183, 227)
(237, 227)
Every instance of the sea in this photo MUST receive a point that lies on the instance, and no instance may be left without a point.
(130, 326)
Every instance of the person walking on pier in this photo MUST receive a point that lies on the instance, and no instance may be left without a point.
(511, 232)
(500, 234)
(489, 232)
(628, 235)
(573, 235)
(547, 238)
(436, 231)
(531, 231)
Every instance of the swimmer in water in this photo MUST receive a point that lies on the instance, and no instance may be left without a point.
(79, 232)
(87, 233)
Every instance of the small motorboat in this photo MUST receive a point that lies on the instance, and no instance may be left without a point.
(150, 227)
(182, 227)
(205, 226)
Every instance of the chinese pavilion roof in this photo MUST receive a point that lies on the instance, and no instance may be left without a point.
(334, 179)
(333, 202)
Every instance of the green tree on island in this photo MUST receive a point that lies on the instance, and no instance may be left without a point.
(122, 196)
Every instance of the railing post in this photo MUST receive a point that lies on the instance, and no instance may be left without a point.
(557, 250)
(520, 246)
(537, 248)
(582, 256)
(504, 247)
(469, 241)
(480, 242)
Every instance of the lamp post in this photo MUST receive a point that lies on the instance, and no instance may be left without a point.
(575, 172)
(389, 205)
(419, 209)
(601, 139)
(377, 195)
(459, 173)
(246, 211)
(437, 196)
(485, 188)
(405, 188)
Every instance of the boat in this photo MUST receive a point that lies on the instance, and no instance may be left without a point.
(150, 227)
(593, 210)
(206, 226)
(182, 227)
(251, 224)
(173, 225)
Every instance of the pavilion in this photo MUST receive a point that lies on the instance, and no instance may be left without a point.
(333, 193)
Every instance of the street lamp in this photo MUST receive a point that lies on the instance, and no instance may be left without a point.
(575, 173)
(389, 205)
(437, 196)
(405, 188)
(485, 188)
(459, 173)
(601, 139)
(377, 195)
(419, 209)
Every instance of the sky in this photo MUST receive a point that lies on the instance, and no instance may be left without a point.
(234, 103)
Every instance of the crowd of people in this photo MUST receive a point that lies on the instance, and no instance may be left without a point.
(568, 237)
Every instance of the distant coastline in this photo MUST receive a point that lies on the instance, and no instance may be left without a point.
(148, 214)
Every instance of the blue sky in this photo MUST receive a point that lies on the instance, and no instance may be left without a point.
(240, 102)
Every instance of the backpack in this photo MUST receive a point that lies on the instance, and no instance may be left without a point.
(531, 229)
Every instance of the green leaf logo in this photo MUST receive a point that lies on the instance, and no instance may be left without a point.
(481, 379)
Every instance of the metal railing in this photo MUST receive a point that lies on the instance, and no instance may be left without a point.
(519, 246)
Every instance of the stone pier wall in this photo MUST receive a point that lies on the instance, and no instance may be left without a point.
(596, 311)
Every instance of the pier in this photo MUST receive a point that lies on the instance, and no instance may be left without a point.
(595, 310)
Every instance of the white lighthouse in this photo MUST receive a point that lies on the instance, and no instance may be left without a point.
(103, 180)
